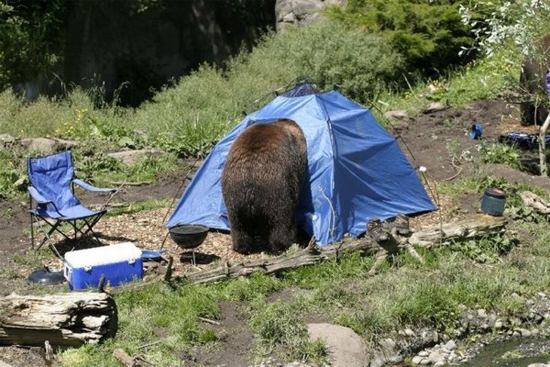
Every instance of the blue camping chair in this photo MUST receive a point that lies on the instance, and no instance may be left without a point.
(52, 198)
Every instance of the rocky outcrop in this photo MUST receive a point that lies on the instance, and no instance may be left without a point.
(300, 12)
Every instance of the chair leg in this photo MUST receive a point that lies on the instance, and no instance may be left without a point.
(47, 236)
(32, 232)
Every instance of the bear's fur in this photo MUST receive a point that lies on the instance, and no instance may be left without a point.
(532, 80)
(261, 183)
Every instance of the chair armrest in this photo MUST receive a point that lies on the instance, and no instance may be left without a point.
(89, 187)
(36, 196)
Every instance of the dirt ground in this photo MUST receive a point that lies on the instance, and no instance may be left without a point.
(436, 140)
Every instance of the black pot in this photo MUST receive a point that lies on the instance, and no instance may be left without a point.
(188, 235)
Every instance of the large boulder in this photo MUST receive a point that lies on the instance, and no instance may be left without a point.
(300, 12)
(345, 347)
(47, 145)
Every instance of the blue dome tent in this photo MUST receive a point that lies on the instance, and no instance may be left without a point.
(357, 170)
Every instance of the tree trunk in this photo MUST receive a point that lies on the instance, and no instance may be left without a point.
(542, 147)
(68, 319)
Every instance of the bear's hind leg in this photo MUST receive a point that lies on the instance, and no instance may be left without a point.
(243, 241)
(281, 237)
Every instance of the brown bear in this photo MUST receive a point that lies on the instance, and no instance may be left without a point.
(261, 184)
(532, 80)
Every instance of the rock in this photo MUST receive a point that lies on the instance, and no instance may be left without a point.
(300, 12)
(499, 324)
(409, 332)
(346, 348)
(450, 345)
(398, 119)
(436, 356)
(435, 107)
(6, 139)
(423, 353)
(417, 360)
(538, 365)
(46, 145)
(481, 313)
(130, 157)
(439, 364)
(525, 333)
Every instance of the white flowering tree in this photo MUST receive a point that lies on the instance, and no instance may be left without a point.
(522, 23)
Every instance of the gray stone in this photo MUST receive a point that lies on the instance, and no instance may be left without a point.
(377, 361)
(300, 12)
(417, 360)
(435, 107)
(346, 348)
(46, 145)
(409, 332)
(499, 324)
(525, 332)
(481, 313)
(450, 345)
(439, 364)
(425, 362)
(436, 356)
(6, 139)
(538, 365)
(130, 157)
(424, 353)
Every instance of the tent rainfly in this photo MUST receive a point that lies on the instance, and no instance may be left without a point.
(357, 170)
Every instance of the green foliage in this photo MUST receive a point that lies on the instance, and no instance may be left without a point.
(487, 249)
(30, 39)
(501, 153)
(329, 54)
(13, 178)
(429, 34)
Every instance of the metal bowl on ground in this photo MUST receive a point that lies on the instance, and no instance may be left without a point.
(188, 236)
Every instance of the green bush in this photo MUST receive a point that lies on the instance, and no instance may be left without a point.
(428, 33)
(328, 53)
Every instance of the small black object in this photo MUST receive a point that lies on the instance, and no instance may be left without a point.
(493, 202)
(188, 235)
(46, 277)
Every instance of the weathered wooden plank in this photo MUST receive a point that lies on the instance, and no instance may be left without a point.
(68, 319)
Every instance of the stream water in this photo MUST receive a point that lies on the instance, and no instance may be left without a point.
(514, 353)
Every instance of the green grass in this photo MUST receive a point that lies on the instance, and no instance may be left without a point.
(405, 293)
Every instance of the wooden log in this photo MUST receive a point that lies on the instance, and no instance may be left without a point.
(472, 227)
(68, 319)
(468, 228)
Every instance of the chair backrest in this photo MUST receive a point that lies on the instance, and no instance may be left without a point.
(51, 176)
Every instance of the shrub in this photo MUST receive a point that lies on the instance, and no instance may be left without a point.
(328, 53)
(428, 33)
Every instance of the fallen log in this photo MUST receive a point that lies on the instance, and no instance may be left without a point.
(473, 227)
(68, 319)
(469, 228)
